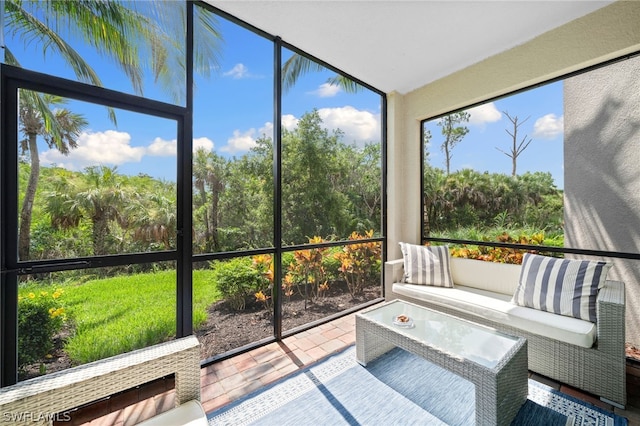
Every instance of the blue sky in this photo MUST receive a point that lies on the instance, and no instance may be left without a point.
(235, 106)
(541, 113)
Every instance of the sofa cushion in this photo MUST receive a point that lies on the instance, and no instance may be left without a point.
(497, 277)
(498, 307)
(427, 265)
(562, 286)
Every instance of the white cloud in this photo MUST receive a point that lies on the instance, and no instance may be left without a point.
(289, 122)
(237, 72)
(485, 113)
(358, 126)
(204, 143)
(240, 141)
(109, 148)
(548, 126)
(112, 147)
(162, 148)
(326, 90)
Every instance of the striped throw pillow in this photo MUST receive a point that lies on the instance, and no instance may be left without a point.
(427, 265)
(562, 286)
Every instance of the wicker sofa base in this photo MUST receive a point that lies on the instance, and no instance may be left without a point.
(44, 399)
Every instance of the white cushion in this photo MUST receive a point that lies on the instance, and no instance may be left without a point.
(498, 277)
(190, 413)
(562, 286)
(498, 307)
(428, 265)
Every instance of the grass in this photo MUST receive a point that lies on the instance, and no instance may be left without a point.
(115, 315)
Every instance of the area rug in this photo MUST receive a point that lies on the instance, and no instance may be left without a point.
(396, 389)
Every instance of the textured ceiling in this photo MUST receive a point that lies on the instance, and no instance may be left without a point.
(402, 45)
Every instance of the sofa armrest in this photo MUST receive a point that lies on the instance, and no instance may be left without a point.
(610, 308)
(393, 270)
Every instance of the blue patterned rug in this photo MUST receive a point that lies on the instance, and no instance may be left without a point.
(396, 389)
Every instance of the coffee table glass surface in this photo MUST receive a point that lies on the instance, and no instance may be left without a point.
(447, 333)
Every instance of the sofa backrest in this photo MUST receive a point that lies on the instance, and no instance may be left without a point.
(497, 277)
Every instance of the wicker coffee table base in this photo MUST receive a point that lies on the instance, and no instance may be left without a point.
(500, 392)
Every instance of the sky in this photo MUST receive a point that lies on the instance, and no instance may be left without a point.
(540, 119)
(234, 107)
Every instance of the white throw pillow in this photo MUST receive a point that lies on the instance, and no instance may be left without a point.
(427, 265)
(562, 286)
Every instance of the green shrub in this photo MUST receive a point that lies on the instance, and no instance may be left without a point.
(236, 279)
(40, 317)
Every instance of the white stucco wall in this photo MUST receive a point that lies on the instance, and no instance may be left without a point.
(608, 33)
(602, 171)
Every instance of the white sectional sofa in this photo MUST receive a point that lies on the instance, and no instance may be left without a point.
(589, 356)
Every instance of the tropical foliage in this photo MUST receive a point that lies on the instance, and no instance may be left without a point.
(470, 199)
(329, 189)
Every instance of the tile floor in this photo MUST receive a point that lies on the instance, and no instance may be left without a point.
(230, 379)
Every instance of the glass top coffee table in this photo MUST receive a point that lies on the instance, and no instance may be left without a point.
(495, 362)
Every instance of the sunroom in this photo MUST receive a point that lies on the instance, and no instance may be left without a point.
(226, 182)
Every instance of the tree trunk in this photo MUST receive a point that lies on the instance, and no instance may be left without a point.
(24, 239)
(100, 232)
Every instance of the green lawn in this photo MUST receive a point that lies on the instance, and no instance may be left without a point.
(116, 315)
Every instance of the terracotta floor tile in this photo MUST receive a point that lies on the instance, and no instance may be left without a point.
(212, 391)
(257, 371)
(213, 404)
(317, 353)
(305, 344)
(244, 362)
(112, 419)
(208, 379)
(142, 411)
(226, 371)
(333, 333)
(282, 361)
(165, 402)
(232, 382)
(318, 339)
(302, 357)
(268, 356)
(332, 346)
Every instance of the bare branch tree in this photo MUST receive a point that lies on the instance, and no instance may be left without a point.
(517, 147)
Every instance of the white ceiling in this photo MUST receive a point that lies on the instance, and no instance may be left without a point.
(402, 45)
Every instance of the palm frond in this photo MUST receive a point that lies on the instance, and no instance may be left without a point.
(296, 66)
(113, 28)
(345, 83)
(31, 29)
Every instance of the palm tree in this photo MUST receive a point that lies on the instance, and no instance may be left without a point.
(208, 173)
(154, 219)
(102, 201)
(117, 30)
(60, 129)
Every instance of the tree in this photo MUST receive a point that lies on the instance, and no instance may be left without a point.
(102, 201)
(60, 129)
(117, 30)
(209, 182)
(453, 133)
(311, 203)
(516, 147)
(154, 219)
